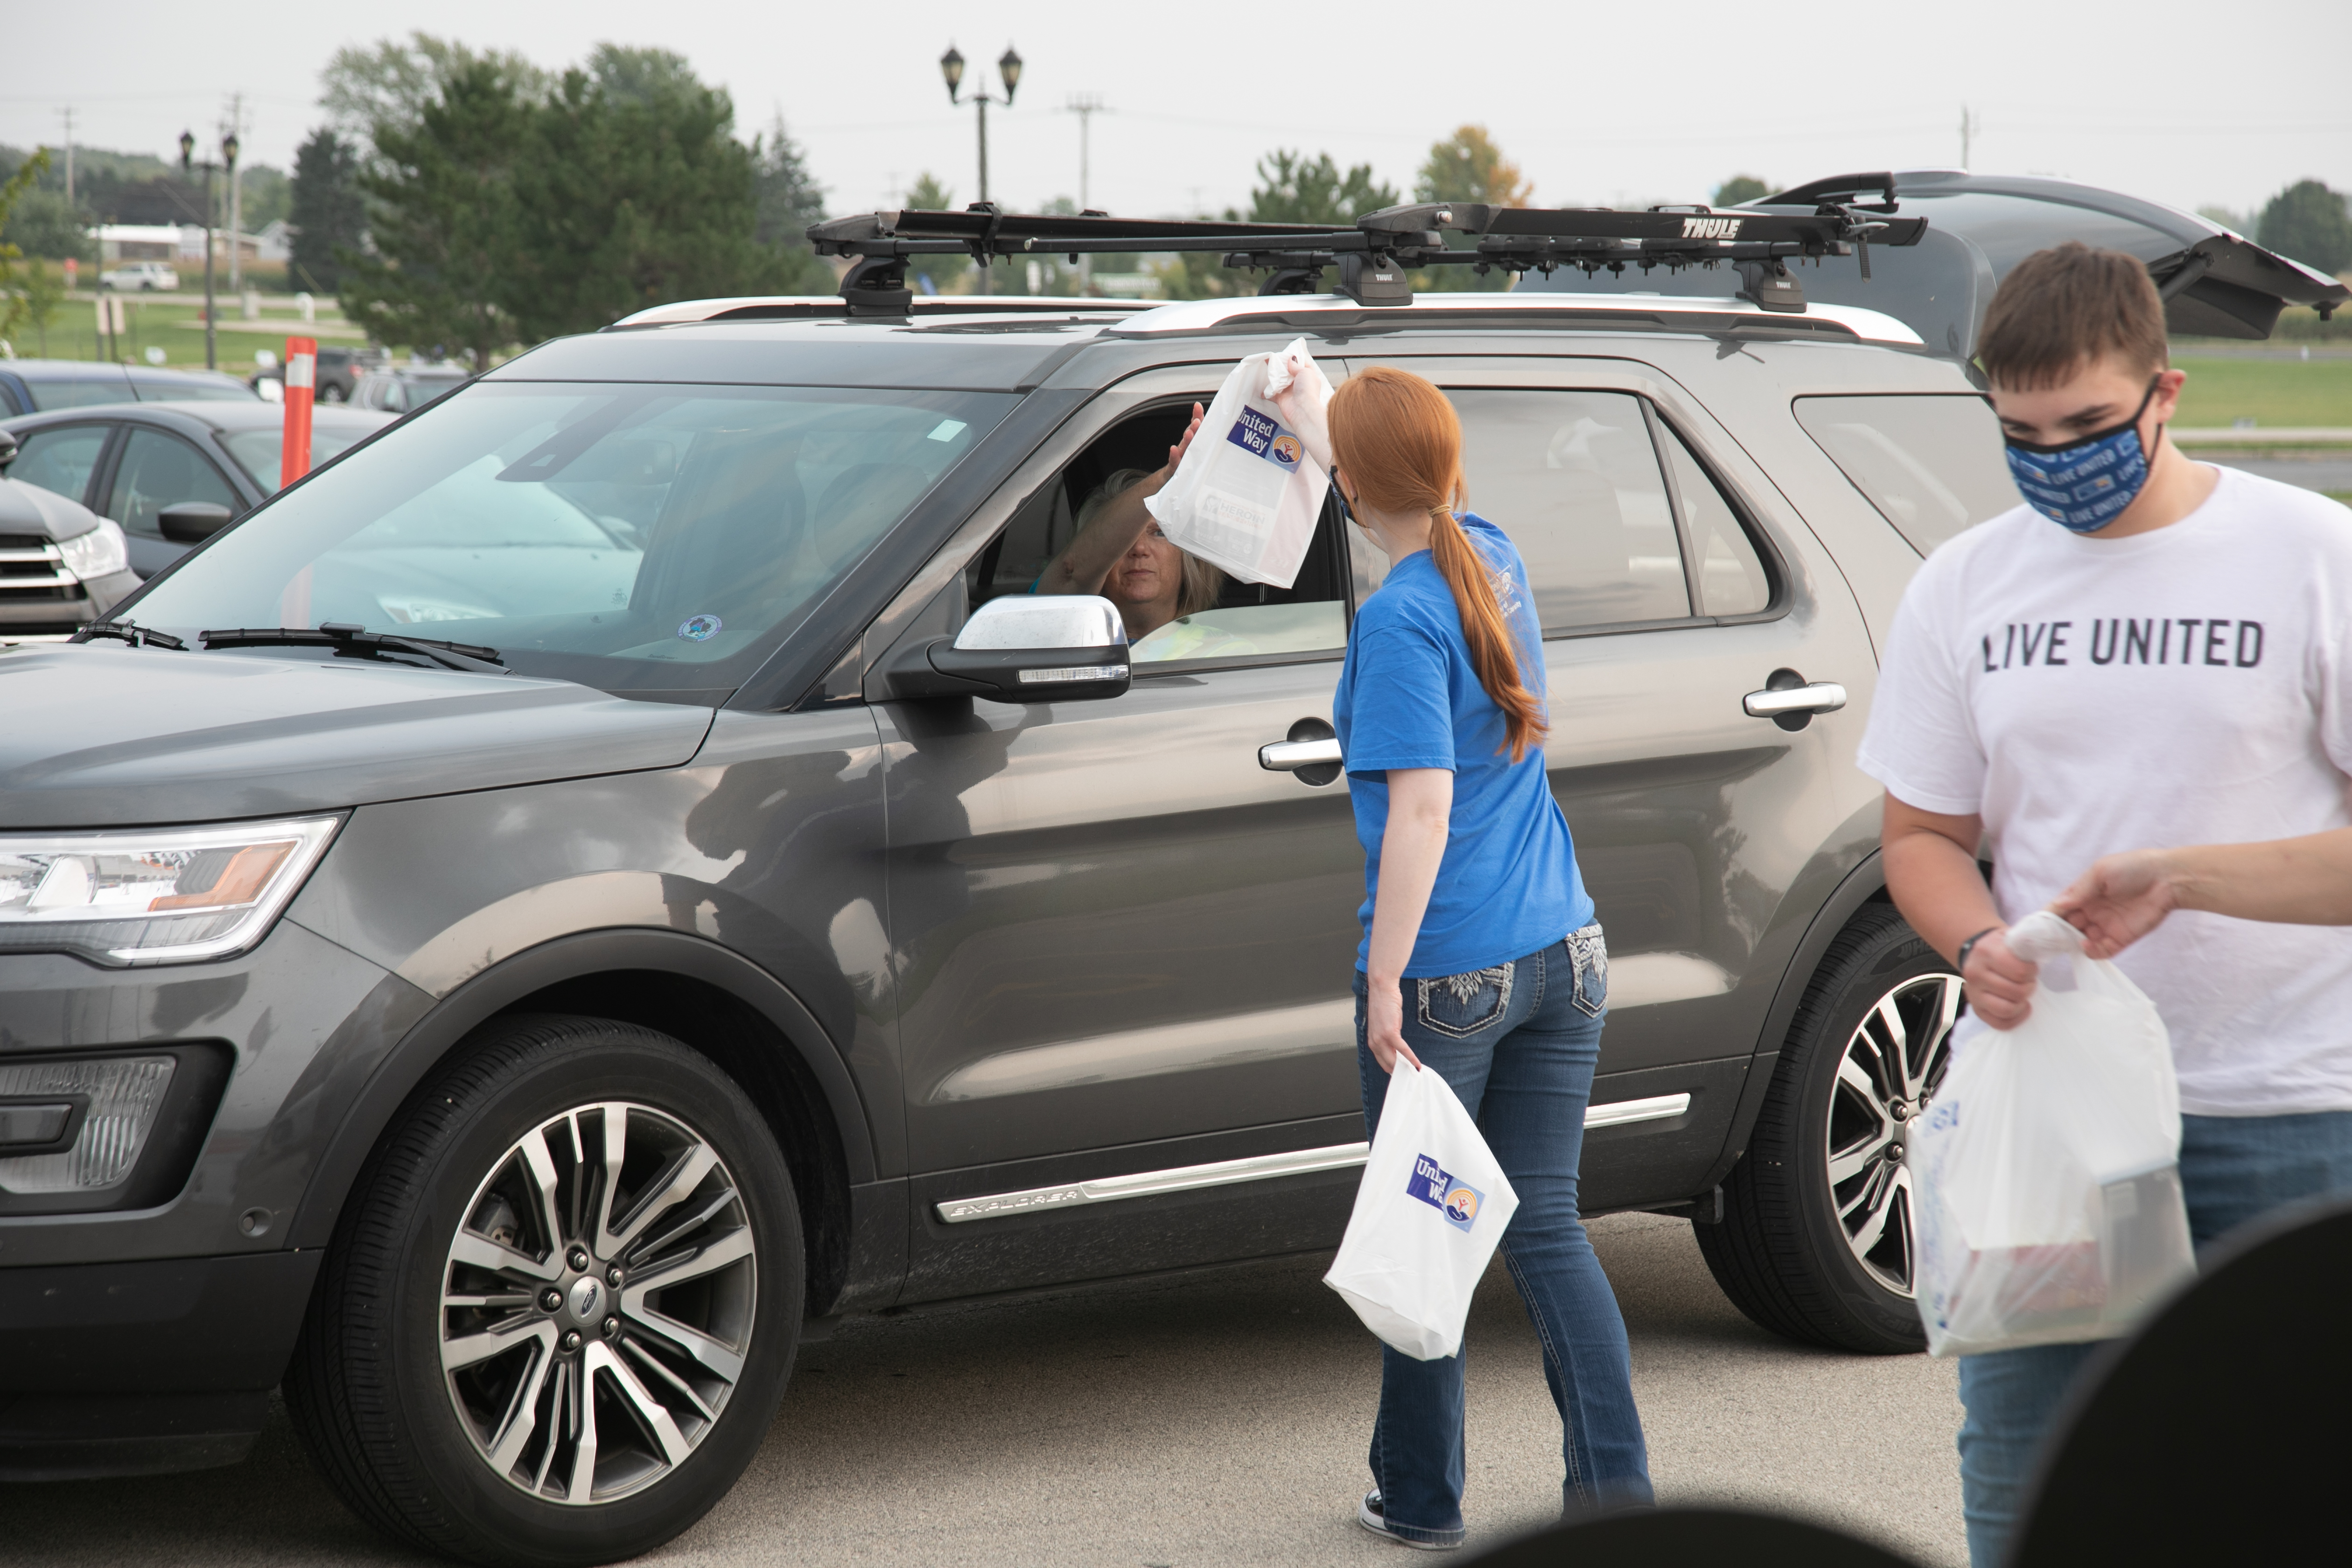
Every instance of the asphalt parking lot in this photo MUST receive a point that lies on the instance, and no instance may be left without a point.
(1220, 1419)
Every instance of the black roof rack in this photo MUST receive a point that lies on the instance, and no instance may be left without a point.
(1374, 256)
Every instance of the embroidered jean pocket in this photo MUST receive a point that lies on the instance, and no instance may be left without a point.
(1461, 1005)
(1588, 950)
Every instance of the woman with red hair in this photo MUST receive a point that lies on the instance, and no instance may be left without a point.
(1481, 961)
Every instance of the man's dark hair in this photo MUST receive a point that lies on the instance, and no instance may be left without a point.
(2062, 309)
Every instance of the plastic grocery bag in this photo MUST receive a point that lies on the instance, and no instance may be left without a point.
(1246, 496)
(1429, 1212)
(2045, 1173)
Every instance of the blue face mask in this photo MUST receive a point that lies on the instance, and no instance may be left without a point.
(2084, 485)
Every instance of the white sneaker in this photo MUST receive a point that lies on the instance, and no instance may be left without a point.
(1369, 1515)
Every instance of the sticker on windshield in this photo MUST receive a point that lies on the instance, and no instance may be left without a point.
(699, 629)
(947, 430)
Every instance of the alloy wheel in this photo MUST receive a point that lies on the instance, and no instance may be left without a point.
(1891, 1067)
(597, 1304)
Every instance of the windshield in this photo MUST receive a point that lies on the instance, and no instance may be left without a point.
(645, 538)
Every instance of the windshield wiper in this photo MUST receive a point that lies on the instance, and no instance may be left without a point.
(137, 637)
(351, 640)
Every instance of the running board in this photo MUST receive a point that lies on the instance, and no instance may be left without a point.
(1257, 1168)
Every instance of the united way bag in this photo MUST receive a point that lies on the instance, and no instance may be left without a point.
(1246, 496)
(1429, 1211)
(2047, 1168)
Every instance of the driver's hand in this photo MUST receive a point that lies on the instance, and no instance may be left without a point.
(1176, 453)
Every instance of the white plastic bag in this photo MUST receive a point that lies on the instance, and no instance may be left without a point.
(1431, 1207)
(2046, 1170)
(1246, 496)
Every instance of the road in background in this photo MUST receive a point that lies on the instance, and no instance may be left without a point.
(1219, 1419)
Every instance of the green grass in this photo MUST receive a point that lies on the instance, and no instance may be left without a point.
(2294, 393)
(173, 324)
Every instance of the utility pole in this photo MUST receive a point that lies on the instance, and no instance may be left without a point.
(1970, 123)
(70, 183)
(1086, 106)
(235, 199)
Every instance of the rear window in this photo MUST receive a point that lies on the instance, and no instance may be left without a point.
(191, 389)
(1931, 464)
(78, 390)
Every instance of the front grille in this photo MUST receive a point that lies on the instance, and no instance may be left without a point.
(33, 570)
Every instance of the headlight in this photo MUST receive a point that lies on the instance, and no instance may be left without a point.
(100, 552)
(163, 895)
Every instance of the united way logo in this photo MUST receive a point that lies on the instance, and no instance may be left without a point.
(1285, 450)
(699, 629)
(1458, 1201)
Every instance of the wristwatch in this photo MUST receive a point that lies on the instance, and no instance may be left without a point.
(1961, 963)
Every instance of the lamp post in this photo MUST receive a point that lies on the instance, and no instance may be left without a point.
(1008, 67)
(187, 164)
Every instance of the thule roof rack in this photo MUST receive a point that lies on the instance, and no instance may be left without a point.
(1374, 257)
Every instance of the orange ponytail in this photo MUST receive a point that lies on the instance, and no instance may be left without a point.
(1401, 442)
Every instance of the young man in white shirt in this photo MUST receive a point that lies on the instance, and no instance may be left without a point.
(2151, 652)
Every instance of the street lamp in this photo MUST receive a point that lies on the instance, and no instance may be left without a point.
(187, 164)
(1008, 68)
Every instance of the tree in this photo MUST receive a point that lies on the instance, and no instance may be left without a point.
(789, 200)
(1292, 188)
(1741, 188)
(43, 223)
(390, 83)
(633, 192)
(27, 302)
(444, 220)
(1468, 167)
(2308, 222)
(327, 216)
(2235, 223)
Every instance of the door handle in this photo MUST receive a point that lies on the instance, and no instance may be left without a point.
(1310, 753)
(1818, 696)
(1289, 756)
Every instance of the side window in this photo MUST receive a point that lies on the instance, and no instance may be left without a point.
(60, 458)
(1573, 478)
(159, 470)
(1731, 580)
(81, 390)
(1931, 464)
(1176, 607)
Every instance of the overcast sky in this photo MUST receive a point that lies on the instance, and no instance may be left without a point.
(1601, 104)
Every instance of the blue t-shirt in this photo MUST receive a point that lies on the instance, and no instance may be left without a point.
(1409, 698)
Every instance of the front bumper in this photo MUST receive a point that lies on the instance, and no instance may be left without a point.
(134, 1368)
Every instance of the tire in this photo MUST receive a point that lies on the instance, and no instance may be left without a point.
(1816, 1241)
(402, 1396)
(330, 393)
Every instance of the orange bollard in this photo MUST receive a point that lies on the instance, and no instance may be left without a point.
(301, 376)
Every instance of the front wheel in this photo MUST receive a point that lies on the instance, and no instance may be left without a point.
(330, 393)
(1818, 1241)
(560, 1306)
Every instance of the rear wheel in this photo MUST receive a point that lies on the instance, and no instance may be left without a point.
(1817, 1240)
(560, 1309)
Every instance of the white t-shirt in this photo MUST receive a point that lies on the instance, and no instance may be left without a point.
(2188, 686)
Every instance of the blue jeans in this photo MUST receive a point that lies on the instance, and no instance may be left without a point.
(2233, 1168)
(1518, 1045)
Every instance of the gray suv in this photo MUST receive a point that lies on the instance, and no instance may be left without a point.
(617, 870)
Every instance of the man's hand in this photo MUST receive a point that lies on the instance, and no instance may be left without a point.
(2120, 899)
(1384, 1023)
(2001, 984)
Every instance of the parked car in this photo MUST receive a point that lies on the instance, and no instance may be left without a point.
(620, 868)
(142, 277)
(61, 566)
(135, 462)
(338, 372)
(36, 385)
(399, 390)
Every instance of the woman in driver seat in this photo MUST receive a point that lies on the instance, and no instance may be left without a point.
(1120, 552)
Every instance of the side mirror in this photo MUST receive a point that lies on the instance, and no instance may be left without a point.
(8, 449)
(1024, 648)
(192, 521)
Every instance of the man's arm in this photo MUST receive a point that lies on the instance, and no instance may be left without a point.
(2291, 882)
(1086, 561)
(1931, 870)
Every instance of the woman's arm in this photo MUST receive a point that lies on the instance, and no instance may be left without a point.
(1931, 870)
(1420, 804)
(1112, 532)
(2291, 882)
